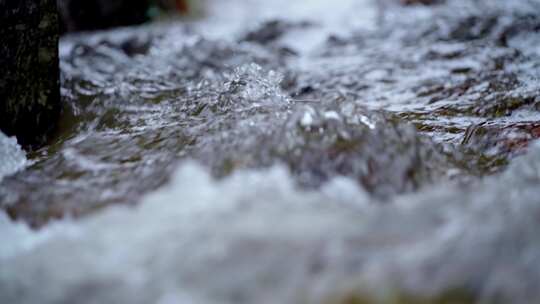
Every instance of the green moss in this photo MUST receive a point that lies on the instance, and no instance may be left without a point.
(344, 145)
(227, 167)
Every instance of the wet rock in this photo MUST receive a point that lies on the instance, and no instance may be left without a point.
(271, 31)
(486, 23)
(501, 139)
(473, 27)
(29, 82)
(526, 24)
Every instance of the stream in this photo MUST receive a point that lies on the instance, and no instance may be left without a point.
(346, 151)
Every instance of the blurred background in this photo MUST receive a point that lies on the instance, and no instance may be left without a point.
(78, 15)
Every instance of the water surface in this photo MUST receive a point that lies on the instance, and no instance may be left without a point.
(296, 155)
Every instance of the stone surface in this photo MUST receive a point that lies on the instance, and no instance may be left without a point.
(29, 82)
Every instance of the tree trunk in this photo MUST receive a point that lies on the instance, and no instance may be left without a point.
(29, 77)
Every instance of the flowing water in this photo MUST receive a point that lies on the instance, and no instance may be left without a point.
(277, 152)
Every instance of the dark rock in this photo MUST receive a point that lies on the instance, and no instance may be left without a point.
(525, 24)
(273, 30)
(181, 6)
(29, 82)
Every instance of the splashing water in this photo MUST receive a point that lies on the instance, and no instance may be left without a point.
(205, 241)
(12, 156)
(299, 157)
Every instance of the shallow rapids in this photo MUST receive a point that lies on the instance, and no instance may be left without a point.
(356, 151)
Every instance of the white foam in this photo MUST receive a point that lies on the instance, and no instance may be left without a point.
(12, 157)
(255, 237)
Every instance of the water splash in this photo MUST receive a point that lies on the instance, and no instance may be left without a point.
(250, 85)
(12, 158)
(332, 160)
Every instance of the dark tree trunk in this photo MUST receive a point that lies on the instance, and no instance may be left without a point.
(29, 76)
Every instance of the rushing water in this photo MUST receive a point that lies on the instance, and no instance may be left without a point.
(326, 152)
(12, 156)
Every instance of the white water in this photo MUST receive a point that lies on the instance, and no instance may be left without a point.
(253, 238)
(12, 158)
(234, 16)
